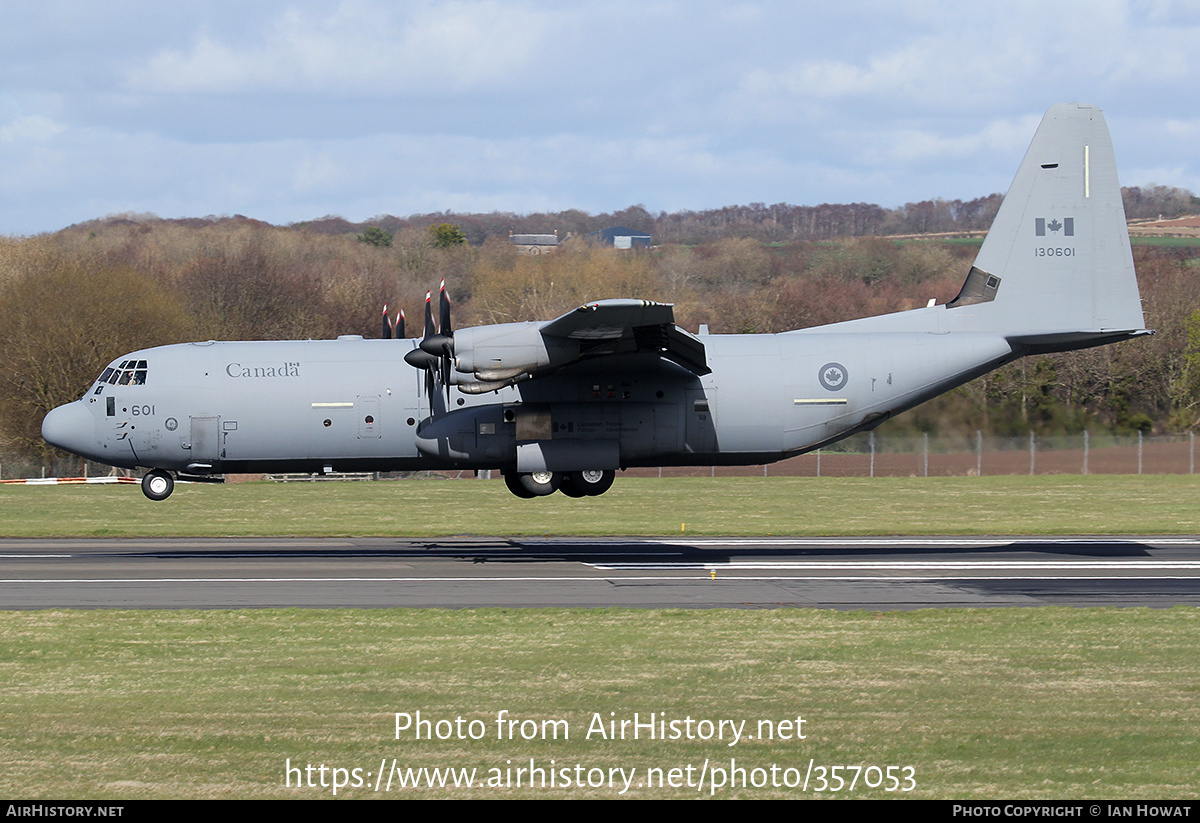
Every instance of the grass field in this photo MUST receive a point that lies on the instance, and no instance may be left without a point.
(981, 704)
(1050, 703)
(1059, 504)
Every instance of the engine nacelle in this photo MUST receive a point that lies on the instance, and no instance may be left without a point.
(499, 353)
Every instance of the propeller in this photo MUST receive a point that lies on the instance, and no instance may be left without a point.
(386, 334)
(421, 357)
(439, 344)
(435, 352)
(399, 328)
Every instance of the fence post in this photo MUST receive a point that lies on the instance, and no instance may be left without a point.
(926, 454)
(1031, 453)
(818, 462)
(1191, 452)
(1139, 451)
(1085, 452)
(978, 453)
(872, 438)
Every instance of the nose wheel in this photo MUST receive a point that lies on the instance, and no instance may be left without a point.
(158, 484)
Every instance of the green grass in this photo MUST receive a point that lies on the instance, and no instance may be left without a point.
(1057, 504)
(983, 704)
(1176, 242)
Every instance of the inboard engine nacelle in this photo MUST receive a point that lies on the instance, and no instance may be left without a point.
(508, 351)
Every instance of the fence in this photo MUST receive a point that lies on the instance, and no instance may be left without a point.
(868, 455)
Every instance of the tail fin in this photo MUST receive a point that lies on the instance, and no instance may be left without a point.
(1056, 271)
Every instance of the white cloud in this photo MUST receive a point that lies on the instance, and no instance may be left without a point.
(887, 146)
(358, 49)
(32, 128)
(1183, 129)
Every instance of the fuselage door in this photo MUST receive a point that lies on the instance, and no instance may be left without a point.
(205, 444)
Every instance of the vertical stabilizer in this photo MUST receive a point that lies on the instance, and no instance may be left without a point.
(1056, 265)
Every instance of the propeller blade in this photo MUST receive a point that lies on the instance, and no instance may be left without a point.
(399, 332)
(444, 308)
(442, 343)
(430, 331)
(386, 334)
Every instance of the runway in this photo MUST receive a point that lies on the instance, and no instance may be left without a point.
(469, 572)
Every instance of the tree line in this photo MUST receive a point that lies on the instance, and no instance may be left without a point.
(778, 223)
(72, 301)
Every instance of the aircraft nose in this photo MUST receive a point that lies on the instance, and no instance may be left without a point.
(70, 427)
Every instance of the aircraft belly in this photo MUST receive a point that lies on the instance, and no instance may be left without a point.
(842, 385)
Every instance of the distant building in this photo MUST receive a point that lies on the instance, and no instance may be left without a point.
(621, 238)
(535, 244)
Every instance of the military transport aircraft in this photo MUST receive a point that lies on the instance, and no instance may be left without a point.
(561, 405)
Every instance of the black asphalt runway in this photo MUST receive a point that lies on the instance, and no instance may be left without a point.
(469, 572)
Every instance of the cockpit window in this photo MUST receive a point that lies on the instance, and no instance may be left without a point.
(126, 373)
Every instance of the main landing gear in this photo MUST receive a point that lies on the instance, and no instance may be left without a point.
(158, 484)
(588, 483)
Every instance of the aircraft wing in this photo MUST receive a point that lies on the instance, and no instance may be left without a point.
(627, 326)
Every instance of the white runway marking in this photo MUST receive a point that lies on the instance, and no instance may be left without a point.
(906, 564)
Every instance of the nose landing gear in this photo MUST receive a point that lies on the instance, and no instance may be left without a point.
(158, 484)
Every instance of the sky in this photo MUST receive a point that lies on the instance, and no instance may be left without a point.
(290, 111)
